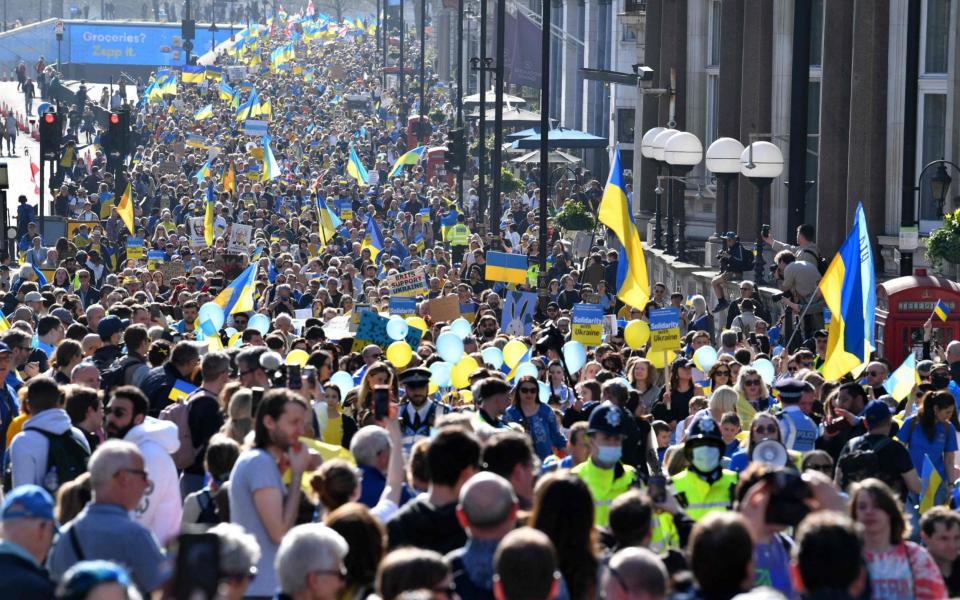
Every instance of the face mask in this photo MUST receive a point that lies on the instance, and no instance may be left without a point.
(706, 458)
(609, 455)
(939, 380)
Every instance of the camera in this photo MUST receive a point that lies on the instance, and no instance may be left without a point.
(778, 297)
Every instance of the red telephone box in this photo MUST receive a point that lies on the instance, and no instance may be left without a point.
(413, 126)
(904, 304)
(435, 165)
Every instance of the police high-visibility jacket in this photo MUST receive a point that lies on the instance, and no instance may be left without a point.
(458, 235)
(604, 486)
(700, 498)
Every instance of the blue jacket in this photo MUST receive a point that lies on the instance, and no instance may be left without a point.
(541, 427)
(20, 576)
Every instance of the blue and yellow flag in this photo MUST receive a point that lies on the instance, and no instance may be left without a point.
(238, 296)
(125, 208)
(502, 266)
(902, 381)
(356, 169)
(420, 242)
(271, 170)
(849, 290)
(930, 481)
(180, 390)
(202, 174)
(226, 92)
(408, 158)
(193, 74)
(941, 310)
(208, 232)
(4, 323)
(373, 238)
(214, 73)
(329, 221)
(632, 284)
(447, 221)
(204, 113)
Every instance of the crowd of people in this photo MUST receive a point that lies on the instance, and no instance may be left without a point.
(213, 411)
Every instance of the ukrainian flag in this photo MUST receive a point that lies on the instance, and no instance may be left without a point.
(941, 310)
(214, 73)
(902, 381)
(230, 180)
(169, 86)
(271, 170)
(180, 390)
(125, 208)
(204, 113)
(226, 92)
(930, 480)
(408, 158)
(356, 169)
(193, 74)
(511, 268)
(373, 238)
(4, 323)
(208, 233)
(203, 173)
(632, 284)
(420, 242)
(238, 296)
(329, 221)
(266, 110)
(447, 221)
(849, 290)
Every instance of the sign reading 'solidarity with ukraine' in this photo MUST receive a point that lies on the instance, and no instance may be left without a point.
(130, 44)
(587, 325)
(664, 329)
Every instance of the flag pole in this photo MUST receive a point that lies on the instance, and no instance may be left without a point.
(800, 319)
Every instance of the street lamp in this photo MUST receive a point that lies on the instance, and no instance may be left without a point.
(646, 150)
(761, 163)
(723, 160)
(657, 151)
(682, 152)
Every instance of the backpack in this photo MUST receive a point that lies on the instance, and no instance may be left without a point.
(179, 414)
(67, 459)
(113, 376)
(819, 261)
(208, 508)
(862, 461)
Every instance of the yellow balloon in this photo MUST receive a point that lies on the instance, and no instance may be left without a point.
(466, 396)
(513, 352)
(433, 388)
(461, 372)
(636, 334)
(235, 339)
(417, 322)
(657, 358)
(297, 357)
(399, 354)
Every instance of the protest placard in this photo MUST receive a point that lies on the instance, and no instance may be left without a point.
(373, 330)
(155, 258)
(171, 270)
(408, 283)
(346, 210)
(134, 248)
(664, 329)
(240, 236)
(517, 317)
(587, 325)
(446, 308)
(402, 306)
(195, 229)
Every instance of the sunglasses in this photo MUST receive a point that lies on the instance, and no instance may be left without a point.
(528, 390)
(766, 428)
(751, 382)
(722, 373)
(824, 468)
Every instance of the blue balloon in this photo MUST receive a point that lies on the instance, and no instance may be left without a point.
(544, 392)
(461, 327)
(230, 331)
(450, 347)
(212, 312)
(342, 380)
(705, 357)
(493, 356)
(440, 373)
(397, 328)
(527, 368)
(574, 355)
(260, 322)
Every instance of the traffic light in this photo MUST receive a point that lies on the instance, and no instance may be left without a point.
(118, 133)
(456, 157)
(51, 132)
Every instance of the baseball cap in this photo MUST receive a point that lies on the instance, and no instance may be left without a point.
(108, 326)
(33, 297)
(27, 501)
(64, 315)
(4, 348)
(876, 412)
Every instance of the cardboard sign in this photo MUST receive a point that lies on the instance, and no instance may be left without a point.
(446, 308)
(358, 310)
(240, 236)
(373, 330)
(517, 317)
(337, 328)
(170, 167)
(403, 306)
(171, 270)
(408, 283)
(587, 326)
(134, 248)
(664, 329)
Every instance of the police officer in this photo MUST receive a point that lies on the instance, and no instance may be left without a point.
(797, 430)
(459, 237)
(604, 472)
(418, 413)
(705, 486)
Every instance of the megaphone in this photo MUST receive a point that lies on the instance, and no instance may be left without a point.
(771, 453)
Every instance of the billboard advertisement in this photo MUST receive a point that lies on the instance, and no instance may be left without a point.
(130, 44)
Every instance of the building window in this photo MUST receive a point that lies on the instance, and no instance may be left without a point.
(626, 120)
(816, 33)
(813, 150)
(936, 39)
(713, 107)
(933, 129)
(714, 33)
(635, 6)
(628, 33)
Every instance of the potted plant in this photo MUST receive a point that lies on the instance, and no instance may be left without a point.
(943, 245)
(575, 217)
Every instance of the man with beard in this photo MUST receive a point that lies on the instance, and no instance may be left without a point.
(161, 508)
(418, 414)
(259, 499)
(487, 329)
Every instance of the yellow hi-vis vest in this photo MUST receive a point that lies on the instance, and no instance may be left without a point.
(604, 487)
(700, 498)
(458, 235)
(664, 535)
